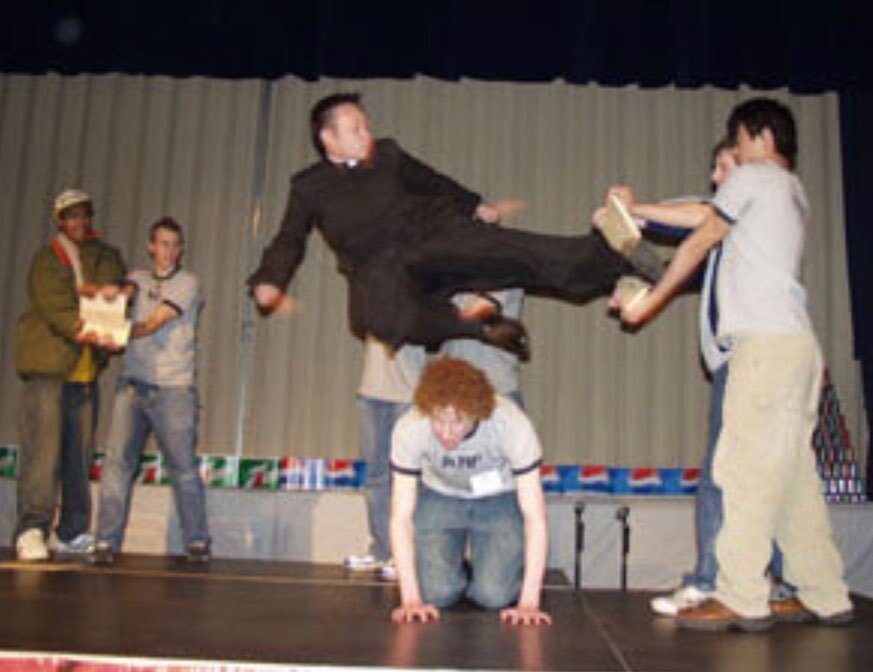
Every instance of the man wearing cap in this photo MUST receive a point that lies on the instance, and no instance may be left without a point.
(59, 365)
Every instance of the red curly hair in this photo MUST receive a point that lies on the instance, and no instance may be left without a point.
(456, 383)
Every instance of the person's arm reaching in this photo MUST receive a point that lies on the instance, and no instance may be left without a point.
(688, 256)
(404, 493)
(492, 212)
(282, 256)
(420, 178)
(684, 214)
(163, 314)
(687, 215)
(536, 543)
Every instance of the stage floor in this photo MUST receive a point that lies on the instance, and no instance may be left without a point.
(150, 612)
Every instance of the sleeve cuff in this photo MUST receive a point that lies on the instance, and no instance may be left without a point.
(405, 470)
(174, 306)
(527, 469)
(721, 213)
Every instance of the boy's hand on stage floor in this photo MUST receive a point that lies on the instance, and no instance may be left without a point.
(415, 611)
(525, 616)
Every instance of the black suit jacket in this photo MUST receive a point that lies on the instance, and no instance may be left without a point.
(392, 202)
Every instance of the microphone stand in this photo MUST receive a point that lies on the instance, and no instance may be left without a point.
(580, 544)
(622, 515)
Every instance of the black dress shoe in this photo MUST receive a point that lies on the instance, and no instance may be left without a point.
(507, 334)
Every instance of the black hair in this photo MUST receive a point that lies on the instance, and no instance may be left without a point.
(760, 113)
(168, 224)
(321, 115)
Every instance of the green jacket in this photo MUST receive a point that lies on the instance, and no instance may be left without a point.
(47, 329)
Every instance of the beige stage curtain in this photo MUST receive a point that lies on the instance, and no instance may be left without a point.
(143, 147)
(217, 155)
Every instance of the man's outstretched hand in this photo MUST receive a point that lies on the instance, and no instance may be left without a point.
(495, 211)
(270, 299)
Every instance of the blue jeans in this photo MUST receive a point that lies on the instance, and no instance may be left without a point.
(708, 505)
(171, 413)
(57, 446)
(377, 422)
(494, 529)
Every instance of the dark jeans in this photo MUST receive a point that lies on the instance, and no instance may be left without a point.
(378, 418)
(403, 295)
(171, 413)
(57, 446)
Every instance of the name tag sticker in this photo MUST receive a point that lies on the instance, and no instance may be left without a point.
(486, 483)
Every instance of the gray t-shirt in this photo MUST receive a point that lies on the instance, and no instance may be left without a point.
(758, 287)
(500, 366)
(167, 356)
(486, 463)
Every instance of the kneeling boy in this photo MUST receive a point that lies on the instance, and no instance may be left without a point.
(477, 458)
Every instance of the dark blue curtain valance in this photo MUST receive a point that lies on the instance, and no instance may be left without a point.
(809, 46)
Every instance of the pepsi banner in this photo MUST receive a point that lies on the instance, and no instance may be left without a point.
(841, 481)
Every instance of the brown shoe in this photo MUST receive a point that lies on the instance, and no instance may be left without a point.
(713, 615)
(793, 611)
(790, 611)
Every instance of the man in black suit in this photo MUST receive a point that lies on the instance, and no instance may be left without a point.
(407, 238)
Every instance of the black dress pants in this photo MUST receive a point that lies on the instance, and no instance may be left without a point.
(403, 294)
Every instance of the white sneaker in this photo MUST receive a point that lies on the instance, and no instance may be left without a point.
(683, 598)
(363, 563)
(82, 544)
(388, 571)
(30, 546)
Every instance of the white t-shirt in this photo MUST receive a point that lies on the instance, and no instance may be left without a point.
(758, 287)
(486, 463)
(714, 354)
(391, 376)
(167, 356)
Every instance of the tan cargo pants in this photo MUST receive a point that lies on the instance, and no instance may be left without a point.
(765, 468)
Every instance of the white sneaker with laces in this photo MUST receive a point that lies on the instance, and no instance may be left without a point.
(30, 546)
(363, 563)
(82, 544)
(683, 598)
(388, 571)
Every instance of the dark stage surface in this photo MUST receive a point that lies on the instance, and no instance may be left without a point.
(304, 616)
